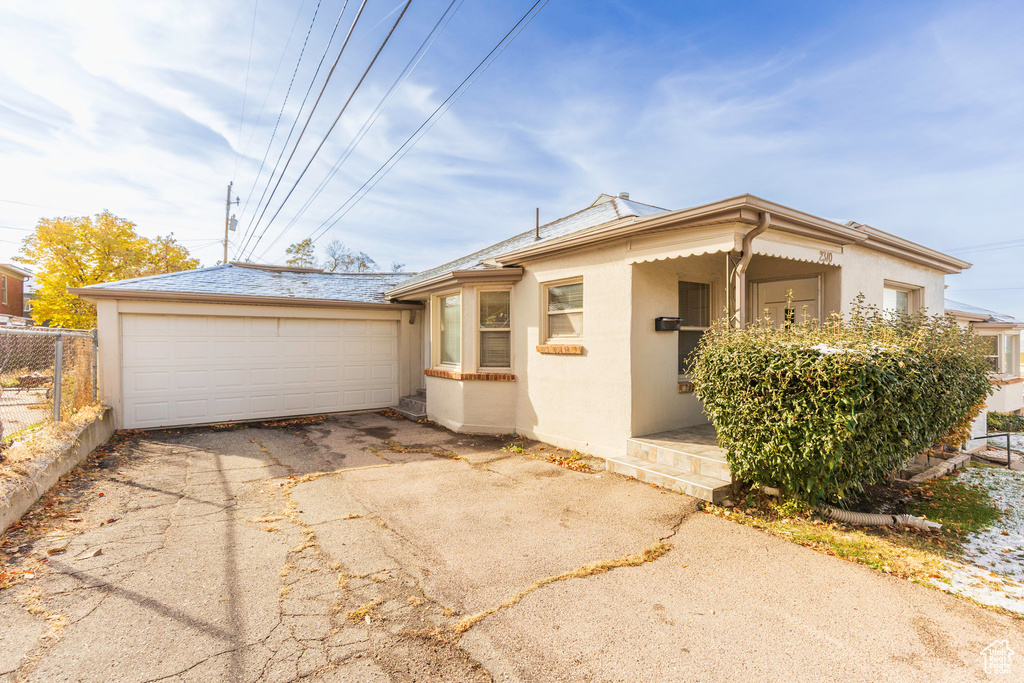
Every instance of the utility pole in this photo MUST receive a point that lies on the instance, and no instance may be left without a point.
(229, 220)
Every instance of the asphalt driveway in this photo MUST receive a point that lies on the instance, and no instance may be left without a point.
(364, 548)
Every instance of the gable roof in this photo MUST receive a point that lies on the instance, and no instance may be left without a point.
(248, 280)
(610, 218)
(12, 270)
(604, 209)
(982, 315)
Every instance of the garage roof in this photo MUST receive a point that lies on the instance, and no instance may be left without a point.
(250, 280)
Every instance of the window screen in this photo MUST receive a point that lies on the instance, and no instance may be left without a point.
(694, 312)
(495, 330)
(565, 310)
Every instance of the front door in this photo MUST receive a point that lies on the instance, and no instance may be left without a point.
(786, 302)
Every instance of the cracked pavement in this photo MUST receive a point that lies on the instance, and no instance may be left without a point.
(349, 548)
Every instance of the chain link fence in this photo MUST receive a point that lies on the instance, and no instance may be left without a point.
(45, 375)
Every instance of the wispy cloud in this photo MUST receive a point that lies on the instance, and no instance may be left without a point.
(905, 117)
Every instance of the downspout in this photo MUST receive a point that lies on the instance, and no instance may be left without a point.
(747, 253)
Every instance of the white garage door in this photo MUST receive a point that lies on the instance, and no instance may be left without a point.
(183, 369)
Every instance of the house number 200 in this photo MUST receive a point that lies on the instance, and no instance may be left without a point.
(825, 257)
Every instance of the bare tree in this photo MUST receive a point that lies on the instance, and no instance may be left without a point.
(335, 255)
(340, 259)
(397, 267)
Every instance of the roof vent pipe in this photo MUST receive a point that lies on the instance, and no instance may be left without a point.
(623, 195)
(536, 234)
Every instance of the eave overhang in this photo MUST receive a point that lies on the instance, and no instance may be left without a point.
(743, 209)
(98, 294)
(456, 277)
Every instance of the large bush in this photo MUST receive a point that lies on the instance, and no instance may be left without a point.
(823, 411)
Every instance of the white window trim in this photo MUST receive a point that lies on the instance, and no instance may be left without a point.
(5, 290)
(480, 329)
(712, 293)
(435, 330)
(1000, 354)
(915, 294)
(544, 313)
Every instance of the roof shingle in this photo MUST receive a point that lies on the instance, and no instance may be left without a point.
(255, 281)
(592, 216)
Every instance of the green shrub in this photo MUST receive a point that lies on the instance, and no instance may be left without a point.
(1005, 422)
(823, 411)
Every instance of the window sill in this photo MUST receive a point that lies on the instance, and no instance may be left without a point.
(1003, 380)
(561, 349)
(470, 376)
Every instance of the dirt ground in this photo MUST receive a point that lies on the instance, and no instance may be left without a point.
(365, 548)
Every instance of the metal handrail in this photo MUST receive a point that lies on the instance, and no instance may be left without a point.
(996, 435)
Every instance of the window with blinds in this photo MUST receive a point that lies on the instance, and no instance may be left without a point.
(495, 330)
(450, 317)
(694, 318)
(565, 311)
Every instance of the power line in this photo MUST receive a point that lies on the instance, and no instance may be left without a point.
(413, 62)
(245, 89)
(1007, 244)
(273, 79)
(988, 289)
(298, 140)
(411, 141)
(284, 103)
(249, 230)
(323, 140)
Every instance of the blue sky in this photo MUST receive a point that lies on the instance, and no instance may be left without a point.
(905, 116)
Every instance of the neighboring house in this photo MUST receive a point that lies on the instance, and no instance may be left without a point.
(12, 301)
(1001, 334)
(551, 334)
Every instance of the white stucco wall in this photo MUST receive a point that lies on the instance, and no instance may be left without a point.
(865, 272)
(1007, 398)
(472, 407)
(657, 404)
(580, 402)
(626, 382)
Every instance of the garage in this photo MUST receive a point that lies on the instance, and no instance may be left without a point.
(189, 348)
(191, 369)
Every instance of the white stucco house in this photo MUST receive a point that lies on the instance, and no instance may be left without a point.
(553, 334)
(1001, 334)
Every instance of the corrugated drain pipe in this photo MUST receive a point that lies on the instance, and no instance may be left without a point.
(741, 268)
(869, 519)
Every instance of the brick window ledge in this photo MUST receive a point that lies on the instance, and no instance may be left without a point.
(470, 376)
(561, 349)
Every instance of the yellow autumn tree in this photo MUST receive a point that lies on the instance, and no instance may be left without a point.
(76, 252)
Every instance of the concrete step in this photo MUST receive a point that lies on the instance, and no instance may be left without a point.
(700, 486)
(415, 417)
(413, 404)
(413, 407)
(689, 458)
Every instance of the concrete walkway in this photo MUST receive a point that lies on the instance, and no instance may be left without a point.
(345, 551)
